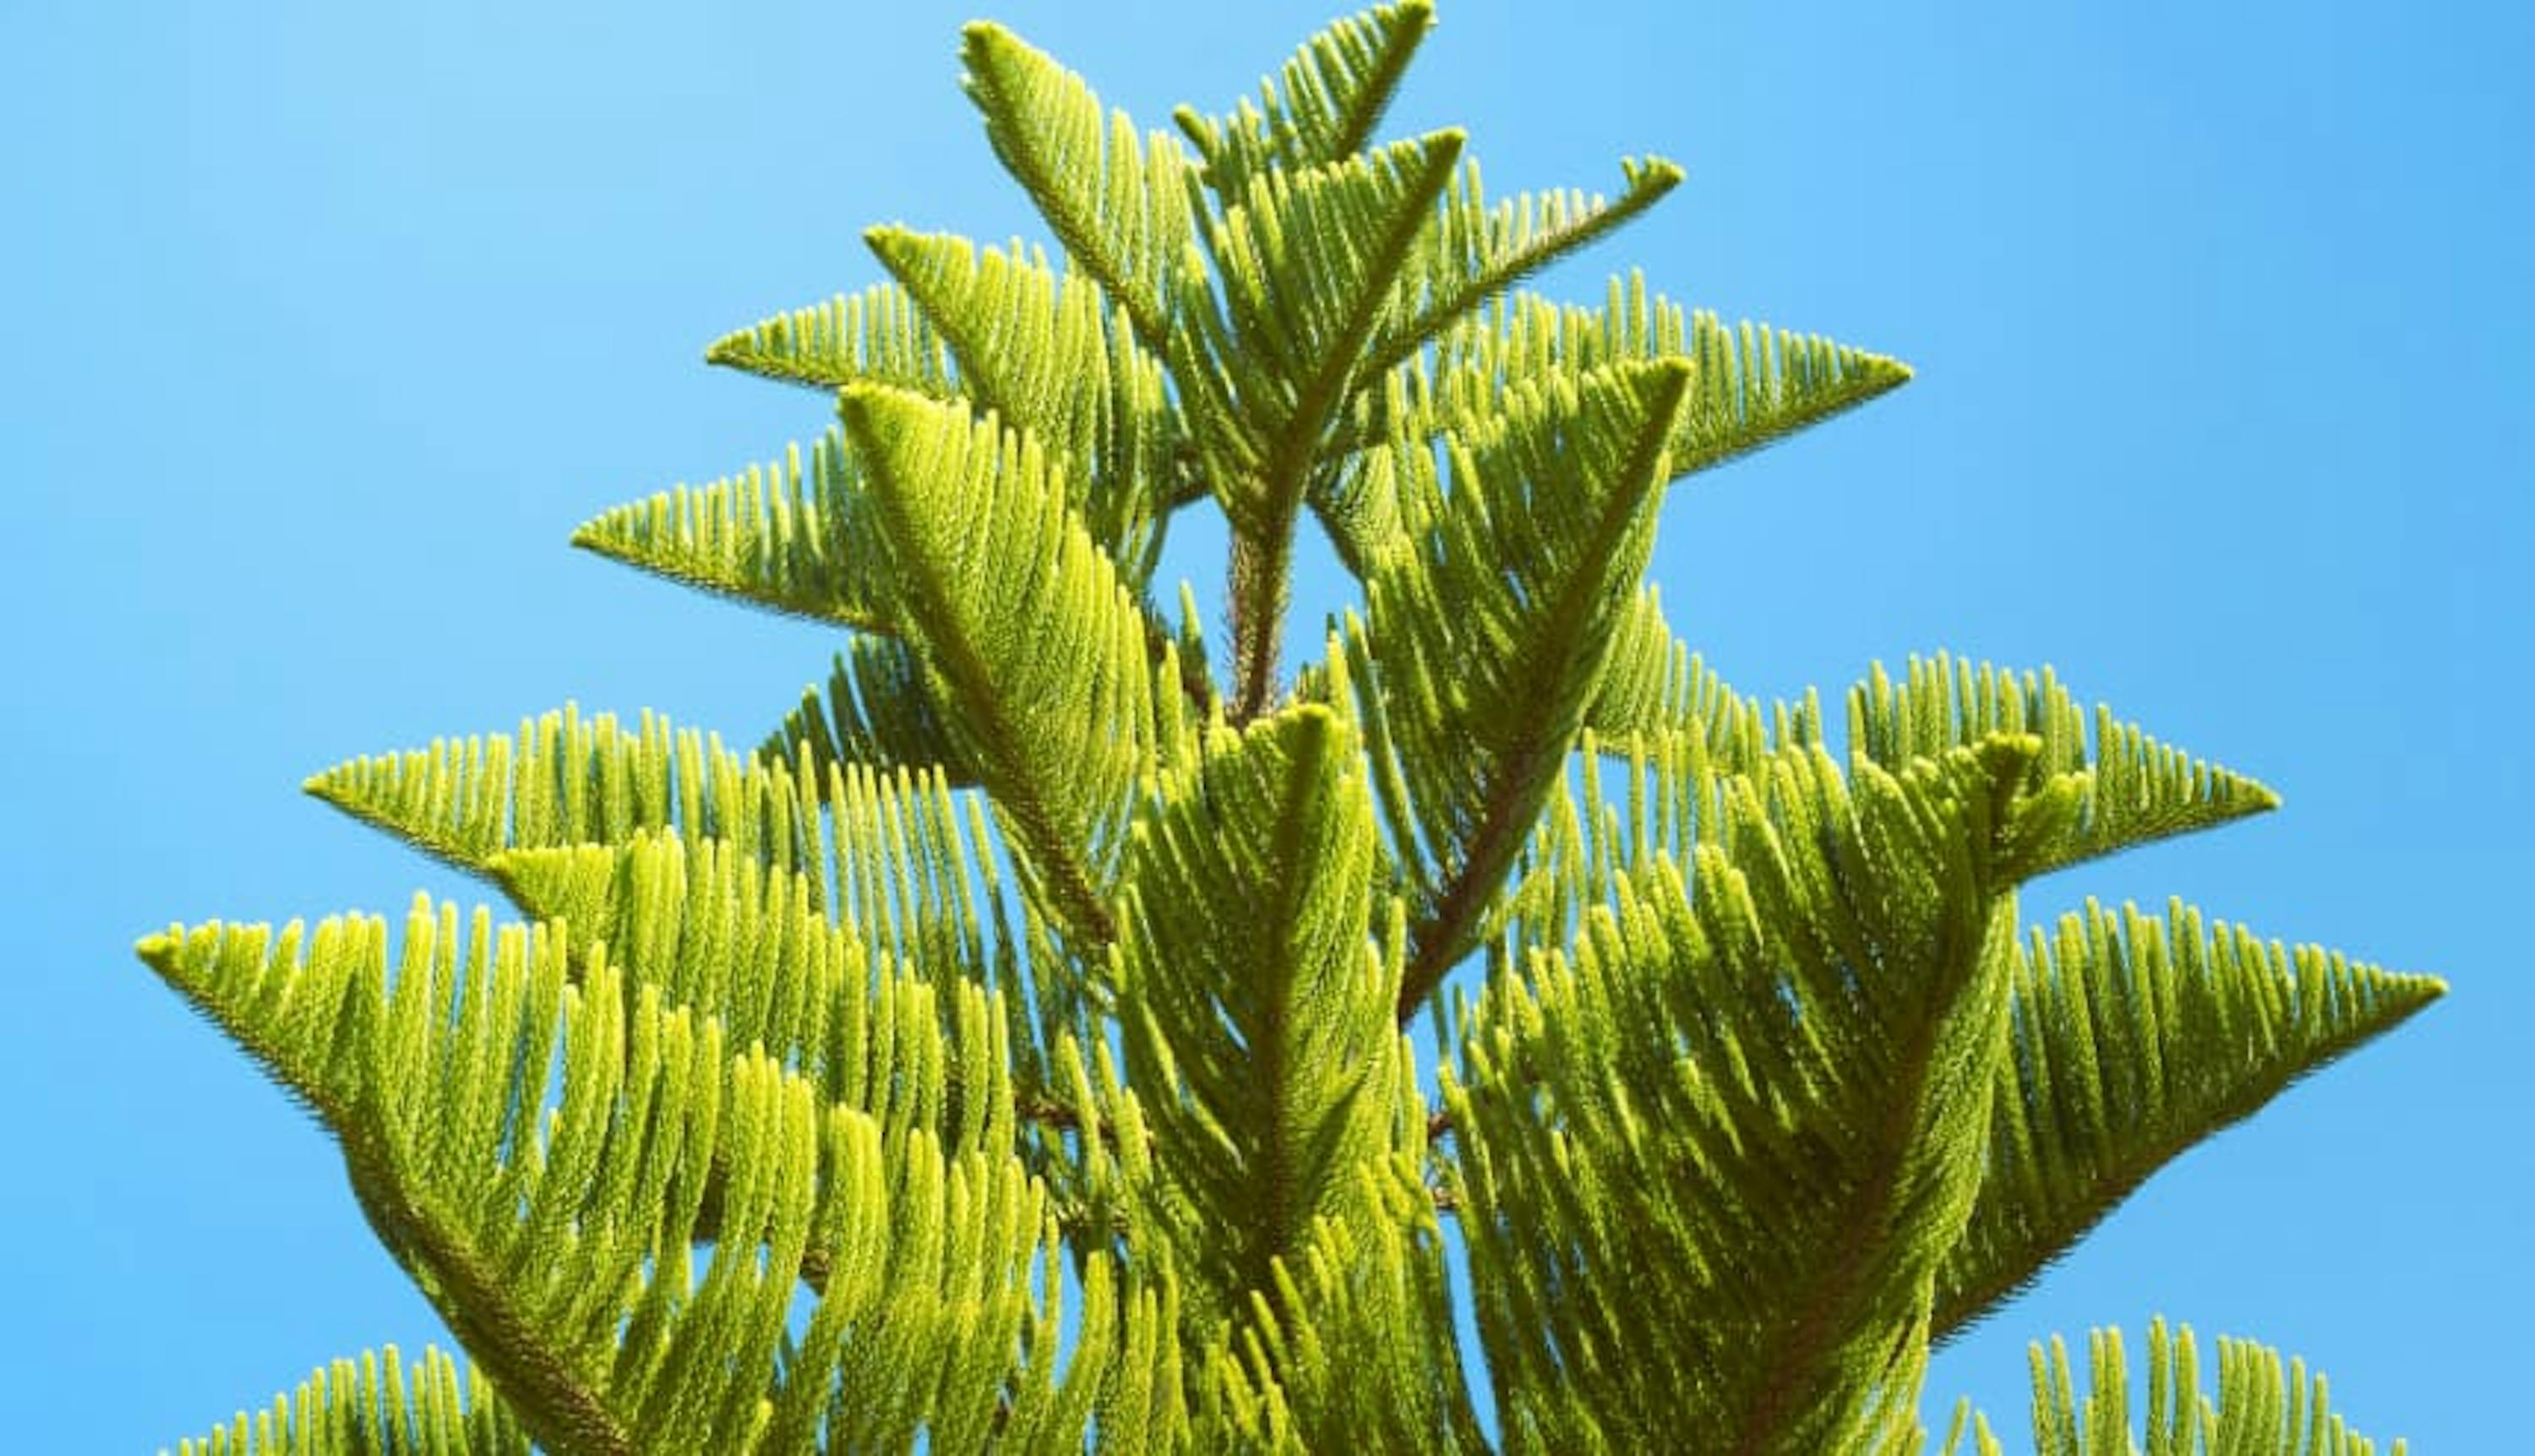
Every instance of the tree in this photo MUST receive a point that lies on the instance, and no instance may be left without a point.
(1016, 1049)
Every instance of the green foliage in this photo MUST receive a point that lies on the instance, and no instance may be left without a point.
(376, 1407)
(1255, 1014)
(1031, 646)
(2129, 1040)
(1490, 626)
(777, 1124)
(2259, 1406)
(1711, 1083)
(1117, 203)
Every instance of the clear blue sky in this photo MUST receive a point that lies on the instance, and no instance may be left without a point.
(324, 325)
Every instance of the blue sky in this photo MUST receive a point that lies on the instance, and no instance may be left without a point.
(323, 326)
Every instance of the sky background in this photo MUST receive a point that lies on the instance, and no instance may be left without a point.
(321, 326)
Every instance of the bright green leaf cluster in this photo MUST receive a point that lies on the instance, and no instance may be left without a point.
(1011, 1052)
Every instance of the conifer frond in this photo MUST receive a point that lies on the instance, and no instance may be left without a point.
(2131, 1040)
(1676, 752)
(2081, 802)
(1125, 1384)
(761, 537)
(1757, 385)
(876, 337)
(1658, 706)
(565, 779)
(1357, 1333)
(1750, 387)
(901, 885)
(436, 1085)
(1682, 730)
(878, 713)
(1331, 683)
(1033, 647)
(2265, 1407)
(1477, 251)
(1196, 668)
(1034, 347)
(1110, 1148)
(1330, 94)
(881, 847)
(1308, 265)
(375, 1406)
(1255, 1008)
(1655, 687)
(1350, 666)
(885, 1009)
(1373, 498)
(1118, 205)
(553, 1228)
(1491, 633)
(1709, 1162)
